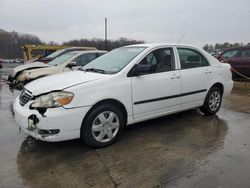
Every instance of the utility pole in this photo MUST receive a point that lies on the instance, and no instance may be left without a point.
(106, 34)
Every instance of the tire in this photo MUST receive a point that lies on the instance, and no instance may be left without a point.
(212, 101)
(99, 130)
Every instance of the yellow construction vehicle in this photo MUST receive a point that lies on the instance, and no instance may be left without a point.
(45, 50)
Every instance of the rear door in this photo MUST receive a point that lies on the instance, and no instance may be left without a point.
(156, 93)
(196, 74)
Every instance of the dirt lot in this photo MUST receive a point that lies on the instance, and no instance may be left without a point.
(182, 150)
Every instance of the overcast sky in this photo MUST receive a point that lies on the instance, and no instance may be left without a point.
(199, 21)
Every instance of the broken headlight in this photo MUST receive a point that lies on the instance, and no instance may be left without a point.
(53, 99)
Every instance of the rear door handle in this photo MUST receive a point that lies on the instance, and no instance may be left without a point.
(208, 72)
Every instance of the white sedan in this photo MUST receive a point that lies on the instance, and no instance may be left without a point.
(127, 85)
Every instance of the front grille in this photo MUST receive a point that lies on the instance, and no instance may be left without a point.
(25, 97)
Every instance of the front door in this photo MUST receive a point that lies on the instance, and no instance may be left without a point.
(157, 92)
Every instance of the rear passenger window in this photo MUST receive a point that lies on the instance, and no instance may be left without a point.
(190, 58)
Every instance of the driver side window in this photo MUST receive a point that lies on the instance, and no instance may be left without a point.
(149, 60)
(160, 60)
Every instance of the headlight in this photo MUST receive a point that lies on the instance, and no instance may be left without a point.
(53, 99)
(23, 76)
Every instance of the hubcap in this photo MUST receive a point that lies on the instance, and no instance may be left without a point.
(105, 126)
(214, 101)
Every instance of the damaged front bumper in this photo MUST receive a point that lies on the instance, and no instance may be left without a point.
(14, 84)
(57, 124)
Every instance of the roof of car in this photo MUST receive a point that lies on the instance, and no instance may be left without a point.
(80, 48)
(160, 44)
(88, 51)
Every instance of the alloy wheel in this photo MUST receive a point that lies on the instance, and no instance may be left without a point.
(214, 101)
(105, 126)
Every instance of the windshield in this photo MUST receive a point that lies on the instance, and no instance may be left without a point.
(61, 59)
(115, 60)
(230, 54)
(54, 54)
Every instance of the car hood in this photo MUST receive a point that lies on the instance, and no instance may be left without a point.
(42, 70)
(61, 81)
(26, 67)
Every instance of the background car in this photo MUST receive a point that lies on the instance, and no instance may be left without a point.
(65, 62)
(39, 63)
(63, 51)
(239, 59)
(125, 86)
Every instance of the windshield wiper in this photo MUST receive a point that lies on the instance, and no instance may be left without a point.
(94, 70)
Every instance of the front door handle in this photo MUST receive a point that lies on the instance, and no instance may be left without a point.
(208, 72)
(174, 76)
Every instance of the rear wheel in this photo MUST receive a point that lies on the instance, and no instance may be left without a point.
(212, 102)
(103, 126)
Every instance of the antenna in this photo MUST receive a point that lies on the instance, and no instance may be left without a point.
(106, 33)
(183, 35)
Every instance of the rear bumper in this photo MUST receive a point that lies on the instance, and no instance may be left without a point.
(228, 86)
(67, 121)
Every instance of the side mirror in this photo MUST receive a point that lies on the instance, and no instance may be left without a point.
(138, 70)
(71, 64)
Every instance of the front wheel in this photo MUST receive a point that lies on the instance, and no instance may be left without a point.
(212, 101)
(103, 126)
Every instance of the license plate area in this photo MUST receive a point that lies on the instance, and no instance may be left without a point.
(32, 122)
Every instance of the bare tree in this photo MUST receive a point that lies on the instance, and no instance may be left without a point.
(100, 43)
(11, 43)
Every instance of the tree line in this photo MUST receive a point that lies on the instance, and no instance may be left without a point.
(220, 47)
(100, 43)
(11, 43)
